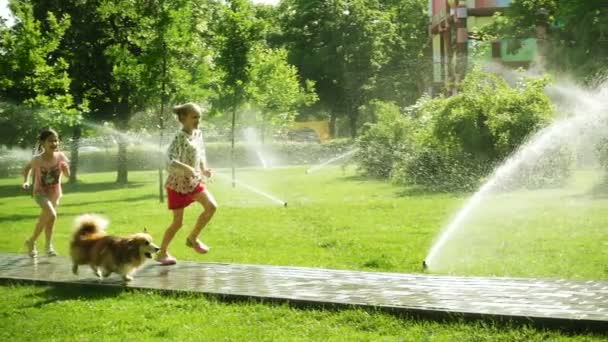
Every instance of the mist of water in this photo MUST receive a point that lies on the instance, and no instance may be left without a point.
(132, 139)
(254, 190)
(332, 160)
(254, 143)
(584, 122)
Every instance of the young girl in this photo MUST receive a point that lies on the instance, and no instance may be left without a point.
(48, 166)
(185, 183)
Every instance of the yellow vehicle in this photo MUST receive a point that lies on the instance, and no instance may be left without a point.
(310, 131)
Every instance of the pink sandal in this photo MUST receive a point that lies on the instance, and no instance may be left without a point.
(166, 260)
(198, 246)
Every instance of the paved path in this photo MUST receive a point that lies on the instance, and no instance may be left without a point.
(578, 304)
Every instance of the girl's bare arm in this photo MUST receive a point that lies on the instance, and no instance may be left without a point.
(26, 175)
(175, 164)
(65, 167)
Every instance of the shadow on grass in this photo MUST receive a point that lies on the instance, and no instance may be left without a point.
(598, 191)
(17, 217)
(59, 293)
(410, 191)
(118, 200)
(15, 190)
(413, 191)
(97, 187)
(357, 178)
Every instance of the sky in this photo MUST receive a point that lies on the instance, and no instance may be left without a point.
(4, 12)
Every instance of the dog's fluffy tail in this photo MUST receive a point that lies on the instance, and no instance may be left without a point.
(88, 224)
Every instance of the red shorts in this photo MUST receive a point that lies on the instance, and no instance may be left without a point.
(178, 200)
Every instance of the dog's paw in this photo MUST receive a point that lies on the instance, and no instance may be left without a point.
(97, 273)
(127, 278)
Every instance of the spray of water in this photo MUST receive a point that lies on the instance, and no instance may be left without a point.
(255, 190)
(134, 139)
(334, 159)
(588, 119)
(251, 137)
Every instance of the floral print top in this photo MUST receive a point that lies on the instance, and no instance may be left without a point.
(190, 150)
(47, 174)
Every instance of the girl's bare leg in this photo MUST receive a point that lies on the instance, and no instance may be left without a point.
(178, 219)
(49, 229)
(48, 213)
(209, 204)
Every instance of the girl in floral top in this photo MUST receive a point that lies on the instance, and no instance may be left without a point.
(48, 166)
(185, 182)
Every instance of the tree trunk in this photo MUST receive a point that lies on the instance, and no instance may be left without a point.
(232, 157)
(352, 116)
(332, 125)
(122, 174)
(124, 113)
(161, 126)
(76, 134)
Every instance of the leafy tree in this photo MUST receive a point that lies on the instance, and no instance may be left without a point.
(157, 56)
(34, 87)
(353, 50)
(81, 47)
(275, 87)
(404, 78)
(237, 32)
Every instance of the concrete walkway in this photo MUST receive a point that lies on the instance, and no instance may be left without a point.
(567, 303)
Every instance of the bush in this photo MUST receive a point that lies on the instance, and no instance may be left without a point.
(383, 143)
(434, 170)
(453, 143)
(490, 119)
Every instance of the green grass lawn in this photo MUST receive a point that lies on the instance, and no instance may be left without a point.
(64, 314)
(334, 219)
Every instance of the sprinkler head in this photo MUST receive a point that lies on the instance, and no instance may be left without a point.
(424, 265)
(285, 204)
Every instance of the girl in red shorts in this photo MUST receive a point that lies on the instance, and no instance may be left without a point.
(185, 183)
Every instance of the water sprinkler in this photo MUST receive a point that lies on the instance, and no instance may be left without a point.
(424, 265)
(285, 204)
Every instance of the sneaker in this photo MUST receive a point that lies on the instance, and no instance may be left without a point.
(166, 260)
(31, 248)
(198, 246)
(50, 252)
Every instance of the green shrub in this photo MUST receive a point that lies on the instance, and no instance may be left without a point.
(434, 170)
(453, 143)
(385, 142)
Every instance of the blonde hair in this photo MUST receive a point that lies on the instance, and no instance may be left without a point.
(182, 110)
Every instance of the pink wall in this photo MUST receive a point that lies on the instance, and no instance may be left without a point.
(439, 5)
(491, 3)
